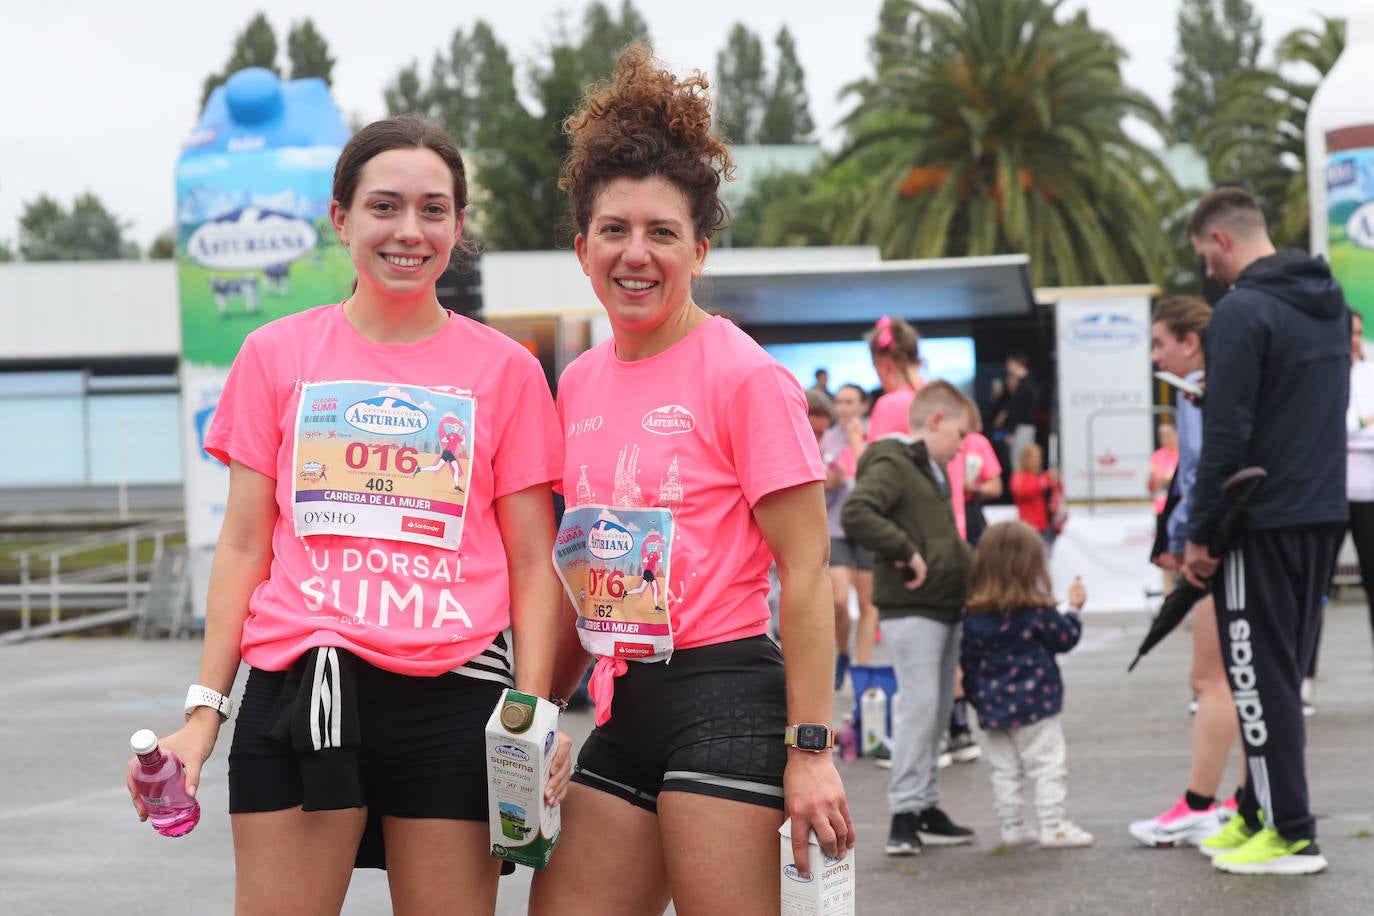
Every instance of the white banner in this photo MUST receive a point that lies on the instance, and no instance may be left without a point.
(206, 480)
(1105, 420)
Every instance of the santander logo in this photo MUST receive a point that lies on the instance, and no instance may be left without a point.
(669, 420)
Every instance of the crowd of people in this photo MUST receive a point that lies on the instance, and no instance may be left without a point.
(359, 734)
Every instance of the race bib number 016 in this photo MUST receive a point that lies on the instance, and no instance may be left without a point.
(383, 461)
(614, 564)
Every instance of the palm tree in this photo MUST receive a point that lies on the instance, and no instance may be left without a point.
(1256, 137)
(1001, 131)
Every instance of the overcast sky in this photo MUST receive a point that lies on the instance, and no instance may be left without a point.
(99, 96)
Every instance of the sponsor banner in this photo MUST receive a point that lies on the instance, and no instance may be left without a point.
(1350, 223)
(384, 461)
(1105, 401)
(206, 480)
(254, 243)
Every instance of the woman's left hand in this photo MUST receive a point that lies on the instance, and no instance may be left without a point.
(813, 797)
(560, 772)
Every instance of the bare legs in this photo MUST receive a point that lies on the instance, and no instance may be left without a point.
(841, 580)
(301, 862)
(1215, 725)
(707, 855)
(866, 634)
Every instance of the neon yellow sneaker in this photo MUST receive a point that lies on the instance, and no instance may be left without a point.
(1234, 835)
(1267, 853)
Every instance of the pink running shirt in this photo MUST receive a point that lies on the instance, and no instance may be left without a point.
(404, 607)
(706, 429)
(976, 451)
(891, 413)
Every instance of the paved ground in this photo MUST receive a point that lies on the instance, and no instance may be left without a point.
(69, 843)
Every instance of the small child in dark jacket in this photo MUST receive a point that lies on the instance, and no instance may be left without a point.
(1011, 635)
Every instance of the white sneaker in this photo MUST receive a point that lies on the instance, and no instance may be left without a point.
(1064, 835)
(1179, 826)
(1018, 833)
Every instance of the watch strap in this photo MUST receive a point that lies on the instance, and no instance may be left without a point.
(200, 695)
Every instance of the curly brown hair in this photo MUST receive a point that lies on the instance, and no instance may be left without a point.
(646, 123)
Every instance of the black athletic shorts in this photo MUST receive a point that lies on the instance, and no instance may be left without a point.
(710, 722)
(844, 552)
(422, 749)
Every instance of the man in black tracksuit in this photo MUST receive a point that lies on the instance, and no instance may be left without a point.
(1278, 356)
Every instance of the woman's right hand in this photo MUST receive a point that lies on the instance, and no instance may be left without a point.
(192, 744)
(1196, 399)
(1169, 561)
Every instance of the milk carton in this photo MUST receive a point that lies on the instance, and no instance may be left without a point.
(827, 891)
(521, 735)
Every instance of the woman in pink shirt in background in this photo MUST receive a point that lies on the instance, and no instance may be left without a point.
(1163, 463)
(892, 343)
(682, 423)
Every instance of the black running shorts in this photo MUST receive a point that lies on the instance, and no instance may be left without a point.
(422, 749)
(708, 722)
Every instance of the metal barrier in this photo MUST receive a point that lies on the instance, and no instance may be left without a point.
(114, 590)
(1157, 410)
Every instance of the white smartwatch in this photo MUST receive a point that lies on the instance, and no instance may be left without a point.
(200, 695)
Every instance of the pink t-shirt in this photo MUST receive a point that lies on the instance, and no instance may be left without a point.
(977, 452)
(1163, 463)
(706, 429)
(406, 607)
(891, 413)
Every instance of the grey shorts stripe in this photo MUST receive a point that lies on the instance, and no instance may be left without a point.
(624, 788)
(711, 779)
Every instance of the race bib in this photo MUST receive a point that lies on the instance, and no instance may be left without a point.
(383, 460)
(614, 564)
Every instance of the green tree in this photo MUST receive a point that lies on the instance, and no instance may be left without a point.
(309, 53)
(1257, 137)
(516, 149)
(164, 247)
(255, 46)
(1215, 38)
(740, 86)
(406, 93)
(787, 116)
(6, 252)
(88, 232)
(1008, 130)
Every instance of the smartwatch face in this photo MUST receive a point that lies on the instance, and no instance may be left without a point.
(812, 737)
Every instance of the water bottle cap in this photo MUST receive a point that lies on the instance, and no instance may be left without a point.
(254, 95)
(143, 741)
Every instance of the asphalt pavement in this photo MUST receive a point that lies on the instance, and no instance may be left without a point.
(70, 844)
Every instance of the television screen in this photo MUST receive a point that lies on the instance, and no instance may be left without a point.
(847, 361)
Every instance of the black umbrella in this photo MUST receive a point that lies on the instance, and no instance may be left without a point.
(1239, 490)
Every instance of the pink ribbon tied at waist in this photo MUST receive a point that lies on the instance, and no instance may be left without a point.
(601, 685)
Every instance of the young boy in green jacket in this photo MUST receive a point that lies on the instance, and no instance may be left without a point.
(900, 509)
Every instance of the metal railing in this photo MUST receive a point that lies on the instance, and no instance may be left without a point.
(114, 589)
(1157, 410)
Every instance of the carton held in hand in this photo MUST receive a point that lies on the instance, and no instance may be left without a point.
(827, 891)
(521, 736)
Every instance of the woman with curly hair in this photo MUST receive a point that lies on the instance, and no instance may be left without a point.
(681, 425)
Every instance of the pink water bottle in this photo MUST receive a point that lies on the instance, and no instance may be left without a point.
(848, 740)
(161, 783)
